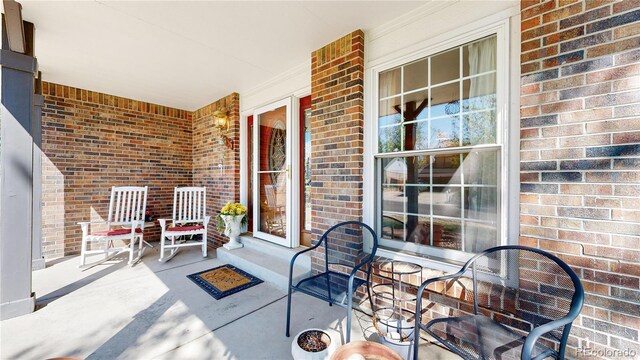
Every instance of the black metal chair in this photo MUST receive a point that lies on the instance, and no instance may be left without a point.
(533, 295)
(332, 286)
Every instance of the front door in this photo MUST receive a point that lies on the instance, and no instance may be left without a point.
(272, 160)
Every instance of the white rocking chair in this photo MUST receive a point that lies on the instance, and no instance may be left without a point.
(189, 206)
(125, 221)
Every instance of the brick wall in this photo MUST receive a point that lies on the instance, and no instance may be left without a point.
(337, 120)
(209, 151)
(92, 141)
(580, 153)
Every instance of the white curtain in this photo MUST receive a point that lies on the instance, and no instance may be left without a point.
(482, 165)
(389, 83)
(482, 58)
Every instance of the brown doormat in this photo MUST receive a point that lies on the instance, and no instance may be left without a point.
(224, 280)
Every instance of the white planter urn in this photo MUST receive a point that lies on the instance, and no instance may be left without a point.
(232, 229)
(299, 353)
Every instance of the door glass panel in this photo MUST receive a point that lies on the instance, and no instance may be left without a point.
(307, 170)
(250, 175)
(272, 171)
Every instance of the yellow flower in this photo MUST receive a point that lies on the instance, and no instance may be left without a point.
(232, 208)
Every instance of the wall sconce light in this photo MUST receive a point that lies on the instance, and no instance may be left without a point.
(221, 119)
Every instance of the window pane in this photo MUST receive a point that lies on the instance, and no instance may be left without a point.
(446, 169)
(418, 169)
(416, 75)
(479, 237)
(390, 138)
(447, 201)
(447, 233)
(388, 112)
(481, 203)
(445, 132)
(416, 135)
(393, 198)
(479, 56)
(394, 171)
(418, 200)
(389, 83)
(479, 128)
(445, 100)
(419, 229)
(393, 226)
(479, 93)
(445, 66)
(416, 106)
(481, 168)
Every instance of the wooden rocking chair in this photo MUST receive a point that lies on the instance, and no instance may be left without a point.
(125, 222)
(189, 207)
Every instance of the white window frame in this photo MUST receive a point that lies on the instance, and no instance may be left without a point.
(507, 139)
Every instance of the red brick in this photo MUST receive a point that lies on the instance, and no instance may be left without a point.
(539, 31)
(613, 47)
(592, 4)
(613, 73)
(561, 106)
(561, 247)
(625, 5)
(538, 9)
(586, 115)
(563, 83)
(626, 31)
(562, 13)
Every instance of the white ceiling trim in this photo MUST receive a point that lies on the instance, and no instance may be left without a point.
(408, 18)
(293, 72)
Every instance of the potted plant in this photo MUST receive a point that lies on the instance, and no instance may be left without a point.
(230, 221)
(312, 344)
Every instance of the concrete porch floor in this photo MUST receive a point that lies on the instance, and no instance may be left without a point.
(152, 311)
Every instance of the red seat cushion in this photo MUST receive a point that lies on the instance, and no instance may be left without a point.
(114, 232)
(186, 228)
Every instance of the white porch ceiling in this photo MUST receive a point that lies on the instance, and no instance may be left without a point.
(188, 54)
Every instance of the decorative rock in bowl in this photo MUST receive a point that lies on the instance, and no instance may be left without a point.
(312, 344)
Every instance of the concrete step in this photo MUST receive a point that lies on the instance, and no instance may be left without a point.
(277, 250)
(264, 265)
